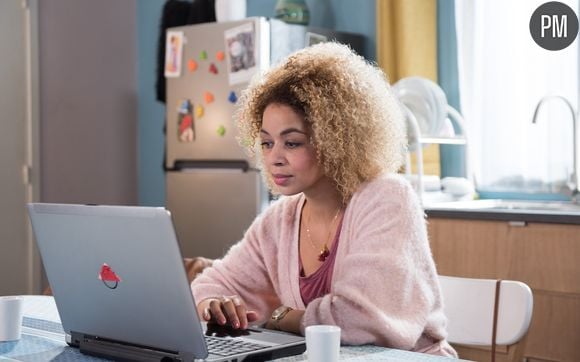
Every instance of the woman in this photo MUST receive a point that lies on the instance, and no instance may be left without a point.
(347, 244)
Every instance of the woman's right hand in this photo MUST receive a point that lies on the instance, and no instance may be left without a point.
(227, 310)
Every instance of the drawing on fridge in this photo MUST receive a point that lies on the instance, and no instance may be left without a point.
(213, 188)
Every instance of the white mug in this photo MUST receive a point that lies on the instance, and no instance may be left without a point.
(10, 318)
(322, 343)
(229, 10)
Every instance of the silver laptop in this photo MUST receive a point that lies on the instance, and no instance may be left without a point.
(121, 289)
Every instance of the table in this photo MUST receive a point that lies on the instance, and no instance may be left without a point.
(43, 340)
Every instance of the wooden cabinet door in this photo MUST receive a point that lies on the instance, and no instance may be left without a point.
(544, 256)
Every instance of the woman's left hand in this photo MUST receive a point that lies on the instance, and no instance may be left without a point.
(290, 323)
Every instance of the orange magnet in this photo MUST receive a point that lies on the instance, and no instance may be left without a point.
(192, 65)
(220, 56)
(208, 97)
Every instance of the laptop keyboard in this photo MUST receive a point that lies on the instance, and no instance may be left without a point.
(228, 346)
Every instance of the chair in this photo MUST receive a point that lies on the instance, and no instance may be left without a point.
(487, 312)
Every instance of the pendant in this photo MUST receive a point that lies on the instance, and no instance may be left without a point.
(324, 253)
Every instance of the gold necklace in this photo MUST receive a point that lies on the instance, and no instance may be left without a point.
(323, 252)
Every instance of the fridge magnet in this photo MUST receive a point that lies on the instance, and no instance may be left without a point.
(241, 53)
(185, 126)
(192, 65)
(208, 97)
(221, 131)
(173, 53)
(198, 111)
(233, 98)
(220, 56)
(203, 55)
(213, 69)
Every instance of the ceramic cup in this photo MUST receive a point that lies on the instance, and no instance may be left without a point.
(10, 318)
(322, 343)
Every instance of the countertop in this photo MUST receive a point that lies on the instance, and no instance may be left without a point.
(473, 213)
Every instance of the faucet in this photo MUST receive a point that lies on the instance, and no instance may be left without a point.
(573, 181)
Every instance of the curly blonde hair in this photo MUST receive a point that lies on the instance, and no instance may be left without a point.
(356, 124)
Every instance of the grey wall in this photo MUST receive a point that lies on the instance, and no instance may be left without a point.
(88, 100)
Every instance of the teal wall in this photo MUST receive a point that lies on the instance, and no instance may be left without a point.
(452, 156)
(150, 112)
(342, 15)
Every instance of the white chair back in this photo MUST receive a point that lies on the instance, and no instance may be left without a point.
(469, 306)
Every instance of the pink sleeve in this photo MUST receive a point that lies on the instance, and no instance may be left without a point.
(385, 288)
(241, 272)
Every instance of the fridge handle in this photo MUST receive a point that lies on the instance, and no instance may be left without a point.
(181, 165)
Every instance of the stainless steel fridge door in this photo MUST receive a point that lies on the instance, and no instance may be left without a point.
(205, 92)
(212, 209)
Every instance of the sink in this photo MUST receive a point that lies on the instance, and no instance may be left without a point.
(509, 205)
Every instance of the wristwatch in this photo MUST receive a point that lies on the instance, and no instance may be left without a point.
(279, 313)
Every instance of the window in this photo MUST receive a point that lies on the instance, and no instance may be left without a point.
(503, 74)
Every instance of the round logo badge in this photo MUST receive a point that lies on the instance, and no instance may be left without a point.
(109, 277)
(554, 25)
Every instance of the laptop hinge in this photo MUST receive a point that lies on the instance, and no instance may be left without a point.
(118, 351)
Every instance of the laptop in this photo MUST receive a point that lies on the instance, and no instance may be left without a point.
(121, 289)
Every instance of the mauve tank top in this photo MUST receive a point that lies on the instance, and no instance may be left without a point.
(318, 283)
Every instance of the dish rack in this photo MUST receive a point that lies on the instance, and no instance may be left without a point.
(457, 120)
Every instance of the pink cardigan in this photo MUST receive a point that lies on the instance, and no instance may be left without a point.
(385, 289)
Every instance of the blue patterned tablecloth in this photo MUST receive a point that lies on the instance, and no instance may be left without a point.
(43, 339)
(374, 353)
(41, 349)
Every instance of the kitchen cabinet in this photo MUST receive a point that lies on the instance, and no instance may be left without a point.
(542, 255)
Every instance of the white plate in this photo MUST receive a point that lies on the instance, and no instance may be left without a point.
(426, 100)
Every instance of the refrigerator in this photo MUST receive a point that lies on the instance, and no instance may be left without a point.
(213, 189)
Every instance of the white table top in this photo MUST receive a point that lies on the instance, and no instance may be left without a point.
(43, 340)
